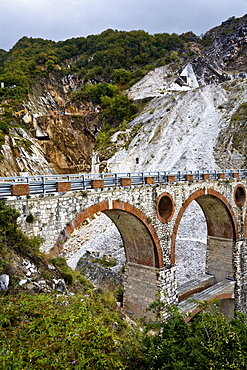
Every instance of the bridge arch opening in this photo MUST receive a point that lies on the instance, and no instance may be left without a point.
(142, 250)
(226, 306)
(191, 244)
(221, 232)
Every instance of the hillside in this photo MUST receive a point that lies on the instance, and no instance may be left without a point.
(98, 103)
(50, 119)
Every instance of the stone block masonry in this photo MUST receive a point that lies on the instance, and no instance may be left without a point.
(97, 184)
(149, 180)
(140, 288)
(125, 181)
(20, 189)
(63, 186)
(219, 258)
(149, 231)
(189, 177)
(206, 176)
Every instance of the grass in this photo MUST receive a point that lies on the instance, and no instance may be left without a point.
(105, 261)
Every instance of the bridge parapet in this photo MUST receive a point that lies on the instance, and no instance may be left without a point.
(51, 183)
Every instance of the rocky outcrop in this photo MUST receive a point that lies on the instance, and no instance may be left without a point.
(100, 275)
(66, 131)
(69, 140)
(229, 45)
(57, 136)
(22, 153)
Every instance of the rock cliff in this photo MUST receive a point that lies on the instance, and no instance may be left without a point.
(56, 135)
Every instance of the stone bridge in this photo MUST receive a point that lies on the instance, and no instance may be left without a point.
(147, 209)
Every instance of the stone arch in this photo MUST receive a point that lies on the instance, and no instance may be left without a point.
(226, 297)
(142, 249)
(139, 236)
(222, 231)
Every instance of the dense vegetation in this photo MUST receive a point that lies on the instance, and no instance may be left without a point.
(60, 332)
(208, 342)
(113, 56)
(13, 240)
(87, 330)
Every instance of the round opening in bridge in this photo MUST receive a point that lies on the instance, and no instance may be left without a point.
(165, 207)
(239, 195)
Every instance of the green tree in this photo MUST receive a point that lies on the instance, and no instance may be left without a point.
(121, 76)
(118, 107)
(50, 65)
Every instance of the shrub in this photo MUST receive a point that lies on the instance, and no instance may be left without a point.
(57, 332)
(209, 341)
(66, 272)
(12, 237)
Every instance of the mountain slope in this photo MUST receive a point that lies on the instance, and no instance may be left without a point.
(182, 131)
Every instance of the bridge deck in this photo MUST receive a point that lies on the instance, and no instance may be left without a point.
(222, 290)
(45, 184)
(195, 286)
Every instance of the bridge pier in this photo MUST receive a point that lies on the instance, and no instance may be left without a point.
(140, 288)
(145, 284)
(219, 260)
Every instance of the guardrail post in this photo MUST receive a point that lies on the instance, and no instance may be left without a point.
(43, 184)
(143, 180)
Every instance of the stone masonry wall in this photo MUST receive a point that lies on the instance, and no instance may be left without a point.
(141, 283)
(53, 213)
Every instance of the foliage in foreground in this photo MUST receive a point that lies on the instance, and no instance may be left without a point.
(58, 332)
(208, 342)
(13, 239)
(86, 332)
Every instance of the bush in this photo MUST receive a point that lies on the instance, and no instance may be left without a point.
(70, 276)
(209, 341)
(57, 332)
(66, 272)
(4, 127)
(12, 237)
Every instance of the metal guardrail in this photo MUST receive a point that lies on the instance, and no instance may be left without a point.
(46, 184)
